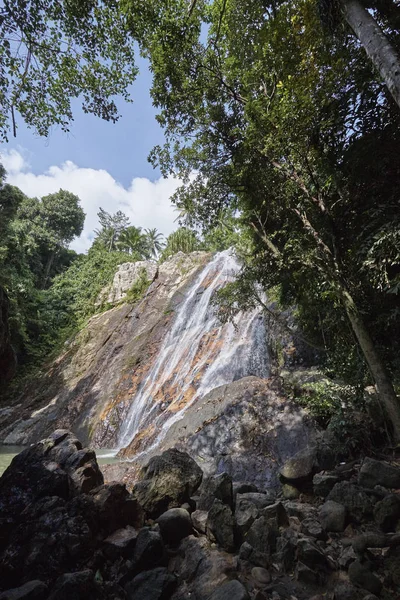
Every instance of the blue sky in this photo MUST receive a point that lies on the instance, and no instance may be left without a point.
(105, 164)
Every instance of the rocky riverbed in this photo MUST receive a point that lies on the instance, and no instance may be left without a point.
(327, 534)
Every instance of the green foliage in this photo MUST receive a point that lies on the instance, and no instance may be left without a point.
(182, 240)
(138, 289)
(52, 52)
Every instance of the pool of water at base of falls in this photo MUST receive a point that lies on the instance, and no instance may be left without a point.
(105, 456)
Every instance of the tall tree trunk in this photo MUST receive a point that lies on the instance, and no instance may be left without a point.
(383, 385)
(376, 45)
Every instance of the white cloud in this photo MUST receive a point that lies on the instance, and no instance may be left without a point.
(146, 203)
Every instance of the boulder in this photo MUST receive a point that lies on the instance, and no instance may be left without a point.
(259, 499)
(199, 520)
(309, 554)
(216, 486)
(167, 481)
(289, 492)
(376, 472)
(286, 548)
(360, 575)
(300, 467)
(276, 511)
(262, 576)
(323, 484)
(114, 508)
(232, 590)
(79, 585)
(333, 516)
(157, 584)
(313, 528)
(149, 550)
(301, 510)
(387, 512)
(245, 514)
(358, 504)
(120, 543)
(175, 524)
(32, 590)
(220, 525)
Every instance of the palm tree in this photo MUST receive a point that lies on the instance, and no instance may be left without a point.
(133, 241)
(154, 241)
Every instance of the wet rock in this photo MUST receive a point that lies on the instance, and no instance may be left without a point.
(216, 486)
(157, 584)
(149, 549)
(259, 499)
(220, 525)
(376, 472)
(175, 524)
(361, 575)
(300, 467)
(168, 481)
(32, 590)
(323, 484)
(80, 585)
(245, 514)
(232, 590)
(120, 543)
(313, 528)
(333, 516)
(387, 512)
(262, 576)
(199, 520)
(358, 504)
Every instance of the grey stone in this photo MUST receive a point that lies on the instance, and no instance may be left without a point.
(289, 492)
(347, 556)
(376, 472)
(175, 524)
(361, 575)
(157, 584)
(245, 514)
(358, 504)
(259, 499)
(301, 510)
(120, 543)
(309, 554)
(216, 486)
(199, 520)
(333, 516)
(32, 590)
(261, 575)
(323, 484)
(387, 512)
(300, 467)
(232, 590)
(220, 525)
(276, 511)
(313, 528)
(241, 487)
(80, 585)
(149, 549)
(305, 574)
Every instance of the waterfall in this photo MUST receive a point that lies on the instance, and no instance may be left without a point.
(197, 355)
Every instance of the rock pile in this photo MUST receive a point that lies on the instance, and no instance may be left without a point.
(179, 536)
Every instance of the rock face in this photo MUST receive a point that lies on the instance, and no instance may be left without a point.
(127, 275)
(247, 429)
(88, 389)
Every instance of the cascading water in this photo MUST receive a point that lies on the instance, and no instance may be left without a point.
(197, 355)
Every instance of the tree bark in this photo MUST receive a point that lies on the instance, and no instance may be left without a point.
(376, 45)
(383, 385)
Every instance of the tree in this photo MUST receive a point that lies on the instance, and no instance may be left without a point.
(264, 112)
(52, 52)
(154, 241)
(111, 228)
(134, 242)
(182, 240)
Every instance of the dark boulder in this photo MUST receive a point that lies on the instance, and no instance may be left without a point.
(333, 516)
(232, 590)
(175, 524)
(220, 525)
(156, 584)
(245, 514)
(32, 590)
(323, 484)
(120, 543)
(259, 499)
(300, 467)
(358, 504)
(361, 576)
(149, 550)
(168, 481)
(376, 472)
(79, 586)
(216, 486)
(387, 512)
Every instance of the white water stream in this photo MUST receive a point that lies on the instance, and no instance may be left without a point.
(198, 354)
